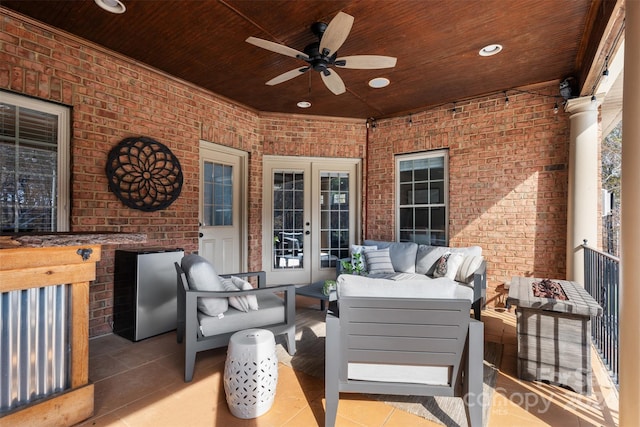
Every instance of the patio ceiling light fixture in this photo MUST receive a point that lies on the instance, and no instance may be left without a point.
(303, 104)
(490, 50)
(113, 6)
(379, 82)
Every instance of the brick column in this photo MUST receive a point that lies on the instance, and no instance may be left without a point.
(582, 206)
(630, 227)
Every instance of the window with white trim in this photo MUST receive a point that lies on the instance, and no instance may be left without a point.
(34, 165)
(422, 189)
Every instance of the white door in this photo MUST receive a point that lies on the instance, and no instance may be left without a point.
(310, 216)
(222, 219)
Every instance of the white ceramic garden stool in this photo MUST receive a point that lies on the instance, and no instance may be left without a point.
(251, 373)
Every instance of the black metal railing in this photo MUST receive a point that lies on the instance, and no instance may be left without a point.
(602, 281)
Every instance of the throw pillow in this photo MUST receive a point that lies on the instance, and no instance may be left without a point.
(448, 265)
(469, 265)
(358, 262)
(240, 303)
(203, 277)
(427, 257)
(243, 285)
(379, 261)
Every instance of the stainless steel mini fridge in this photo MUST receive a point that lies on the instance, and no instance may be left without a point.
(145, 292)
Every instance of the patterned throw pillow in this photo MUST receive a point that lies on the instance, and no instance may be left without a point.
(379, 261)
(448, 265)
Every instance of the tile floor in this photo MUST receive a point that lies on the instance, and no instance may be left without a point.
(141, 384)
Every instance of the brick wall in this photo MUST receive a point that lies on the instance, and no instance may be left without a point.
(113, 97)
(508, 166)
(507, 178)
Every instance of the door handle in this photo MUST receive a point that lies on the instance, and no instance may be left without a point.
(307, 232)
(200, 235)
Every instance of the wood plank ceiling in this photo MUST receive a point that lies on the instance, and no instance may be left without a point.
(436, 43)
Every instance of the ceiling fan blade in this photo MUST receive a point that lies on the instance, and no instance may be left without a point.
(366, 62)
(287, 76)
(333, 82)
(276, 47)
(336, 32)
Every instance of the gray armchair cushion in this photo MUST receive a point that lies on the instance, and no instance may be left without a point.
(403, 254)
(272, 311)
(203, 277)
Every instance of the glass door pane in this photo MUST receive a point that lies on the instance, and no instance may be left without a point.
(218, 194)
(288, 219)
(334, 218)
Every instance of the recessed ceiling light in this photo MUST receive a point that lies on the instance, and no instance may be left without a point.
(113, 6)
(304, 104)
(490, 50)
(379, 82)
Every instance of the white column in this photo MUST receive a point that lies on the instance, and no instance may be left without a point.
(630, 227)
(582, 209)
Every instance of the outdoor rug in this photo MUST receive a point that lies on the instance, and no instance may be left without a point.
(448, 411)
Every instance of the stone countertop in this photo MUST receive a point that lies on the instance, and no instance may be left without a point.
(42, 240)
(579, 301)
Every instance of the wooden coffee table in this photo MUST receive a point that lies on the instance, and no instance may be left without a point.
(314, 290)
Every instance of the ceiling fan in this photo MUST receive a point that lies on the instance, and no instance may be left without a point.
(322, 55)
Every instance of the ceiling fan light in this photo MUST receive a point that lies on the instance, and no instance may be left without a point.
(304, 104)
(113, 6)
(379, 82)
(490, 50)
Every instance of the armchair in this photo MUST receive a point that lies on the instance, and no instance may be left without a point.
(403, 346)
(200, 331)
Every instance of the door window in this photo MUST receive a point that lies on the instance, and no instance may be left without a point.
(218, 194)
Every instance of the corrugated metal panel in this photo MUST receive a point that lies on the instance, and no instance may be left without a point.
(34, 344)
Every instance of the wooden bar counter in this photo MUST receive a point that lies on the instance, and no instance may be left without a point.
(31, 266)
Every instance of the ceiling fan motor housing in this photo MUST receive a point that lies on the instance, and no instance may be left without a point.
(316, 59)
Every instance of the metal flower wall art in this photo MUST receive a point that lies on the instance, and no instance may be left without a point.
(144, 174)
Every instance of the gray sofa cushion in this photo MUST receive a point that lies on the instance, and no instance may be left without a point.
(403, 254)
(470, 264)
(468, 251)
(203, 277)
(272, 311)
(464, 291)
(427, 256)
(352, 285)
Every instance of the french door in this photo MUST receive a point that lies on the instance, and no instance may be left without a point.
(310, 216)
